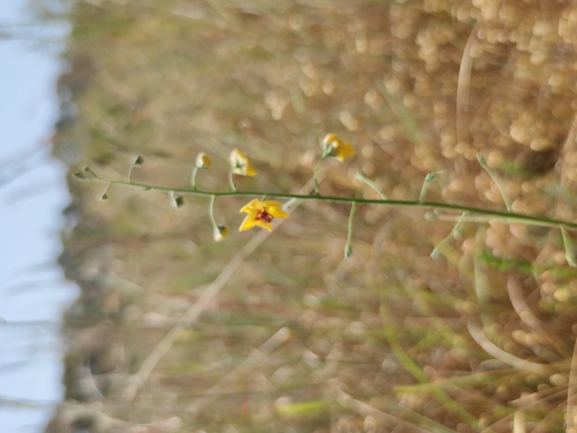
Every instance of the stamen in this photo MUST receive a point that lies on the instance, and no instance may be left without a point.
(263, 215)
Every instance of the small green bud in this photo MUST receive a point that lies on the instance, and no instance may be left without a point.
(178, 201)
(138, 161)
(348, 252)
(85, 174)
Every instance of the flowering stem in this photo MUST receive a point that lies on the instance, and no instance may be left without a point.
(437, 251)
(129, 175)
(104, 195)
(231, 181)
(193, 178)
(360, 176)
(428, 179)
(569, 249)
(136, 163)
(211, 212)
(315, 175)
(348, 248)
(505, 217)
(496, 179)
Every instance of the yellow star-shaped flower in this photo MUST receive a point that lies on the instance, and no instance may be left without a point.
(241, 164)
(334, 146)
(261, 213)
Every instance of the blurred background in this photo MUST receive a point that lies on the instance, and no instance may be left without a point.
(172, 332)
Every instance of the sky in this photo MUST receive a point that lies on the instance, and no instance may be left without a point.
(33, 194)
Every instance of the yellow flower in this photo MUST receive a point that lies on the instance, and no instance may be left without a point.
(241, 164)
(334, 146)
(261, 213)
(220, 232)
(203, 161)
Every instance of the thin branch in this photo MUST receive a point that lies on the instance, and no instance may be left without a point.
(507, 217)
(500, 354)
(348, 248)
(526, 315)
(463, 83)
(497, 181)
(360, 176)
(456, 229)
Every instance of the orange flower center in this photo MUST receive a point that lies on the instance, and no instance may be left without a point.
(263, 215)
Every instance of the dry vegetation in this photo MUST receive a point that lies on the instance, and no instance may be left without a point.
(299, 339)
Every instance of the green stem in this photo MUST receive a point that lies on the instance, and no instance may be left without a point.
(360, 176)
(231, 181)
(136, 163)
(193, 179)
(432, 216)
(496, 179)
(428, 179)
(348, 249)
(568, 244)
(506, 217)
(104, 195)
(211, 212)
(315, 176)
(423, 193)
(437, 251)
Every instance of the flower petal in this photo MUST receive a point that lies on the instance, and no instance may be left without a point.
(264, 225)
(240, 164)
(236, 156)
(277, 212)
(249, 169)
(271, 203)
(251, 207)
(331, 140)
(344, 151)
(248, 223)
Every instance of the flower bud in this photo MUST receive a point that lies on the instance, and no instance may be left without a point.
(203, 161)
(220, 232)
(85, 174)
(334, 146)
(177, 201)
(348, 252)
(240, 163)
